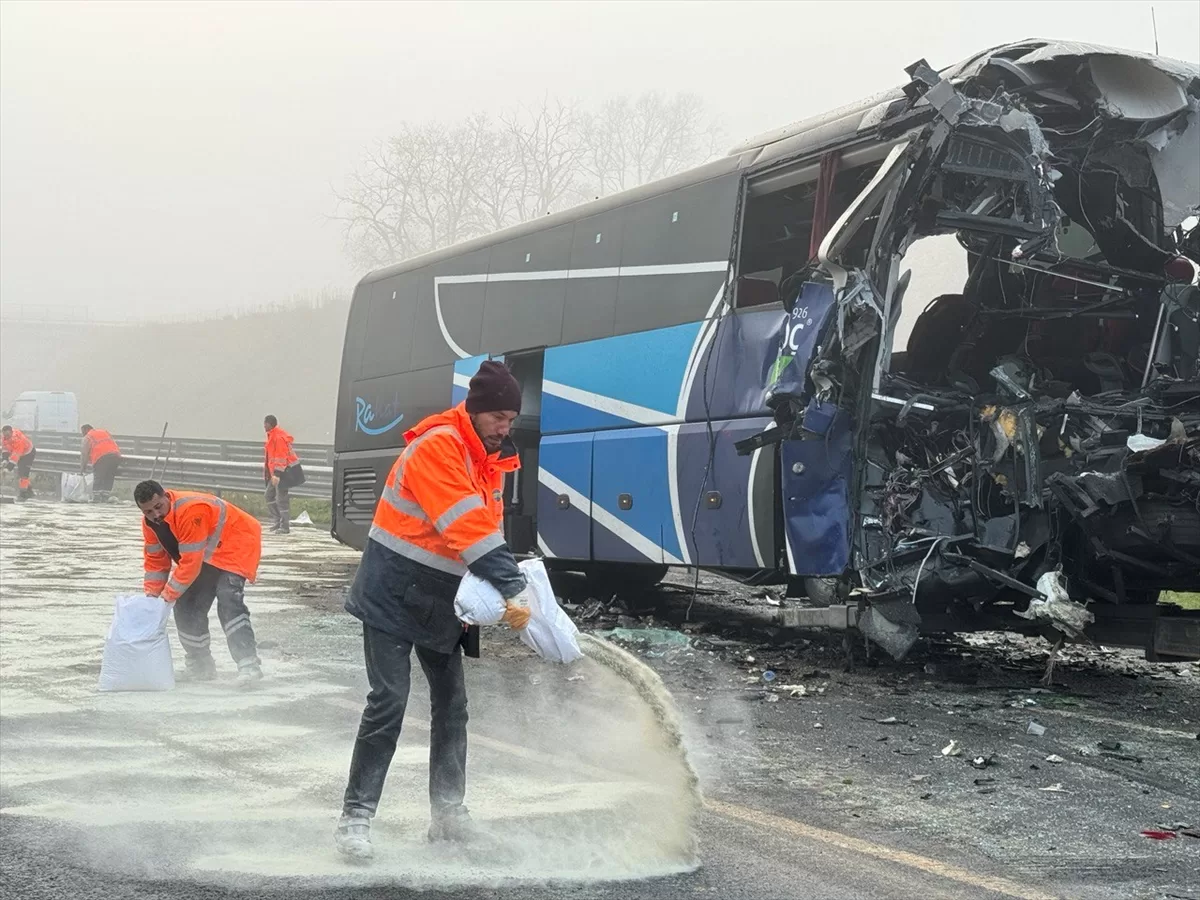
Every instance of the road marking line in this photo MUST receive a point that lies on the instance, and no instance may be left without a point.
(1115, 723)
(868, 848)
(766, 821)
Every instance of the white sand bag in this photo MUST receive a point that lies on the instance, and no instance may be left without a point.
(550, 633)
(76, 488)
(137, 653)
(477, 602)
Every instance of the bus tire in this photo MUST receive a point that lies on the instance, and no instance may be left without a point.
(826, 591)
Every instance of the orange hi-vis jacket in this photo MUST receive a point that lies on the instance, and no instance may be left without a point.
(98, 443)
(278, 451)
(443, 502)
(18, 445)
(209, 530)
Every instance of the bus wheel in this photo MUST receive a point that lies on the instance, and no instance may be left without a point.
(826, 591)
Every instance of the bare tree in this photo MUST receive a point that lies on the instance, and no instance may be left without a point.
(632, 141)
(434, 185)
(547, 141)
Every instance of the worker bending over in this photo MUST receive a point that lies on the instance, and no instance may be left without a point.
(19, 453)
(215, 548)
(440, 515)
(282, 472)
(101, 454)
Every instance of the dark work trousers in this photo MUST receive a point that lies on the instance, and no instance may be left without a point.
(279, 505)
(388, 670)
(191, 618)
(24, 469)
(103, 474)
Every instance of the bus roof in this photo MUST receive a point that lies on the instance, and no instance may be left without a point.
(802, 138)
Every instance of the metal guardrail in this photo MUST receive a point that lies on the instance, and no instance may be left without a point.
(191, 463)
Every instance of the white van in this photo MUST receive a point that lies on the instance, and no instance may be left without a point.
(44, 411)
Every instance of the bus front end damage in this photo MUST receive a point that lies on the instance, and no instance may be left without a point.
(1031, 459)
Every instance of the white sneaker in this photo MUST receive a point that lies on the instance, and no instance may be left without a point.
(353, 838)
(249, 676)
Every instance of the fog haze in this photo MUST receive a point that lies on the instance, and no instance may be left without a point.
(180, 158)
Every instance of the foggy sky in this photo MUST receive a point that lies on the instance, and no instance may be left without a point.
(179, 157)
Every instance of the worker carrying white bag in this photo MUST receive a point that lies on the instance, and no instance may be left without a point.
(137, 653)
(76, 488)
(550, 634)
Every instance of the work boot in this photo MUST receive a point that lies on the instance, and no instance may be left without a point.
(285, 528)
(248, 676)
(204, 669)
(275, 528)
(454, 824)
(353, 838)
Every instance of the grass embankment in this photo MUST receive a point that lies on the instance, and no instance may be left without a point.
(1187, 601)
(320, 511)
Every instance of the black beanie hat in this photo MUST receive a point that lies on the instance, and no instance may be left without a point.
(493, 389)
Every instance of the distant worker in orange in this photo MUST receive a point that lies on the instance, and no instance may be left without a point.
(19, 454)
(282, 472)
(101, 454)
(215, 548)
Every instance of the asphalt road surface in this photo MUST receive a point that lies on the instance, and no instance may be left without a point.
(206, 791)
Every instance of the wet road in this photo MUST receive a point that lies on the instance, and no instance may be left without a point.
(205, 791)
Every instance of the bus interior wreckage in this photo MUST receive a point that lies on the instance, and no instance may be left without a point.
(1030, 460)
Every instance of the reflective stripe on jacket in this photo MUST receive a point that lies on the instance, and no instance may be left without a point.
(18, 445)
(209, 530)
(98, 443)
(278, 451)
(442, 505)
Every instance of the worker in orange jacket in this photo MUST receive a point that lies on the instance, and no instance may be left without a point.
(19, 453)
(282, 472)
(100, 453)
(440, 515)
(215, 548)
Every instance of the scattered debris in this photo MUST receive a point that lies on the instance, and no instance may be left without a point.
(982, 762)
(952, 749)
(1157, 835)
(794, 690)
(1055, 758)
(650, 637)
(768, 676)
(576, 678)
(1054, 789)
(592, 609)
(1123, 757)
(1035, 729)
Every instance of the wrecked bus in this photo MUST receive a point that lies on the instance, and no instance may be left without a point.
(743, 368)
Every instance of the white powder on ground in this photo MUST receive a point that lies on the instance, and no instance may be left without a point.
(571, 780)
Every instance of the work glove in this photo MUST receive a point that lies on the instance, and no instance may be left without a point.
(516, 613)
